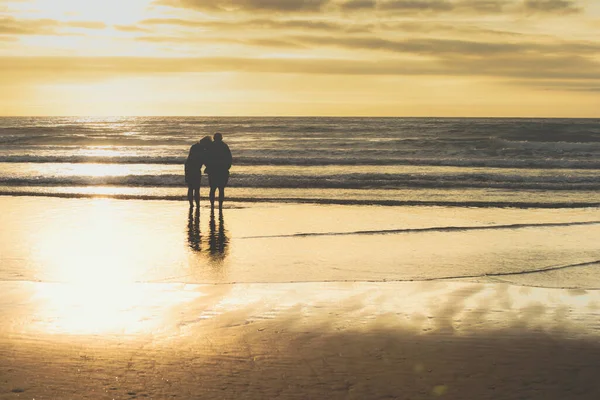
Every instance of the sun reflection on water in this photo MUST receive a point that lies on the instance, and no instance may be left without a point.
(92, 249)
(102, 267)
(102, 151)
(98, 169)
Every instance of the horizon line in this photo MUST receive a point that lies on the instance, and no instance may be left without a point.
(297, 116)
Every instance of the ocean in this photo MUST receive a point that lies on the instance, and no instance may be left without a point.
(477, 162)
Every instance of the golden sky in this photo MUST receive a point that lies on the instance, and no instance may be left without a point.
(300, 57)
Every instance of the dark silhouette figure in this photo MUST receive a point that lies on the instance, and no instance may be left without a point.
(193, 169)
(217, 239)
(194, 238)
(219, 163)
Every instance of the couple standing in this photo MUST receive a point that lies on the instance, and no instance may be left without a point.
(215, 155)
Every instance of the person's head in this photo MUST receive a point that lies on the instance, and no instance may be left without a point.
(205, 141)
(218, 137)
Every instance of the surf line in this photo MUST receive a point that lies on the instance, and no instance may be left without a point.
(386, 280)
(391, 280)
(432, 229)
(516, 273)
(176, 280)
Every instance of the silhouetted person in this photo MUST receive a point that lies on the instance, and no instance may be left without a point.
(193, 169)
(219, 163)
(194, 238)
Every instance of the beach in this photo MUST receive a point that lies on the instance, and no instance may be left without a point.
(107, 298)
(408, 200)
(355, 258)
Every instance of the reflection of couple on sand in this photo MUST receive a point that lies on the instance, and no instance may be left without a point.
(215, 155)
(217, 238)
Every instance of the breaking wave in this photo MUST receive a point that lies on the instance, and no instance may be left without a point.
(337, 181)
(550, 163)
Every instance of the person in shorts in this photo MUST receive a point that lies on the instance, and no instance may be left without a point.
(219, 163)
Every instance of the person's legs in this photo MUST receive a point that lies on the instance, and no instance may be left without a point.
(221, 196)
(213, 189)
(197, 197)
(218, 180)
(190, 196)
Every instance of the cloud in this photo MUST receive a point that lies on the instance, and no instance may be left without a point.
(260, 24)
(171, 39)
(85, 24)
(72, 68)
(177, 22)
(533, 67)
(130, 28)
(528, 67)
(591, 86)
(435, 27)
(13, 26)
(382, 7)
(450, 47)
(486, 6)
(465, 6)
(427, 6)
(272, 43)
(304, 25)
(552, 6)
(358, 5)
(260, 42)
(417, 5)
(248, 5)
(499, 43)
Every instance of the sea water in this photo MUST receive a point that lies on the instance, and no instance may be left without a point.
(550, 163)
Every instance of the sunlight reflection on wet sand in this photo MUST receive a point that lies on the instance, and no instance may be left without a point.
(104, 308)
(175, 310)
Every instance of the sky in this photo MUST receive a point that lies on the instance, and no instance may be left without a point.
(523, 58)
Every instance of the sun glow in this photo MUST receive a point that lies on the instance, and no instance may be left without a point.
(101, 247)
(107, 11)
(97, 280)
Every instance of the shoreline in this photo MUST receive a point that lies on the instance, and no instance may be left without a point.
(284, 200)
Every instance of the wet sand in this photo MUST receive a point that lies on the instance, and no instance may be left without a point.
(108, 299)
(363, 341)
(120, 241)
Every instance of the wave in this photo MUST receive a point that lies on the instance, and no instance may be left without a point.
(540, 163)
(517, 273)
(79, 159)
(556, 147)
(324, 201)
(432, 229)
(339, 181)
